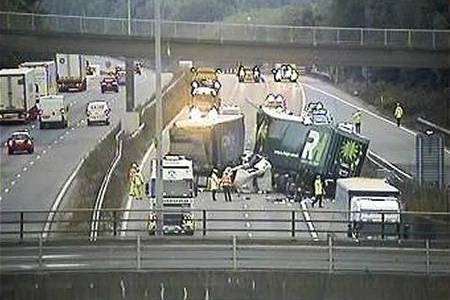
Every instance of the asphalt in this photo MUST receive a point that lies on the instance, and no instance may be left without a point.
(32, 182)
(396, 145)
(247, 96)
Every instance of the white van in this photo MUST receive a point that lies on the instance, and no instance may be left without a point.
(98, 112)
(52, 111)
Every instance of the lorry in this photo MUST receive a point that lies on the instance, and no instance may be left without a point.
(371, 207)
(17, 95)
(178, 194)
(71, 72)
(304, 151)
(213, 141)
(44, 77)
(53, 112)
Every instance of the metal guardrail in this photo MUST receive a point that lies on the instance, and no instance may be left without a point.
(138, 254)
(225, 32)
(269, 224)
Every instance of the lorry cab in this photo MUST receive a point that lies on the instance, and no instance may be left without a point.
(178, 194)
(98, 112)
(53, 112)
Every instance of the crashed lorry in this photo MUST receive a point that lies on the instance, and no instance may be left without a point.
(299, 152)
(215, 140)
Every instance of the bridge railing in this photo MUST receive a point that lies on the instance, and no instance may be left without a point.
(226, 32)
(307, 224)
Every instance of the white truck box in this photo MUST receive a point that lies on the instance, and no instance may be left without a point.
(44, 76)
(71, 70)
(17, 95)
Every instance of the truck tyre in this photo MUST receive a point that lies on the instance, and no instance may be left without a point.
(107, 122)
(10, 151)
(31, 151)
(103, 90)
(89, 123)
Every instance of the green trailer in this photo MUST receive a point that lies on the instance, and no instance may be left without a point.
(308, 150)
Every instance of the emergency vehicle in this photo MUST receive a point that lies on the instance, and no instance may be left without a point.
(98, 112)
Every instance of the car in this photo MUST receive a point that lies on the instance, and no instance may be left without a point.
(109, 84)
(206, 77)
(121, 77)
(20, 141)
(246, 74)
(285, 72)
(204, 98)
(98, 112)
(275, 101)
(316, 113)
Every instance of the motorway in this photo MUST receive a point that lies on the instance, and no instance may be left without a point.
(198, 254)
(395, 145)
(32, 182)
(247, 96)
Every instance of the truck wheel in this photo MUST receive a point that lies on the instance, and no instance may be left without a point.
(107, 122)
(31, 151)
(103, 91)
(10, 151)
(89, 123)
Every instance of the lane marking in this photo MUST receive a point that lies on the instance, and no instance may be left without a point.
(31, 163)
(13, 182)
(58, 199)
(25, 169)
(309, 224)
(6, 190)
(39, 157)
(18, 175)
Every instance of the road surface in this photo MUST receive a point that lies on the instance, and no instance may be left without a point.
(32, 182)
(247, 96)
(396, 145)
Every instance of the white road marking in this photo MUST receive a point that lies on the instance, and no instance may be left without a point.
(246, 215)
(55, 142)
(309, 224)
(6, 190)
(58, 199)
(39, 157)
(247, 224)
(13, 182)
(25, 169)
(31, 163)
(61, 137)
(18, 175)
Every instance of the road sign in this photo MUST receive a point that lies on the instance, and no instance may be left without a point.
(430, 158)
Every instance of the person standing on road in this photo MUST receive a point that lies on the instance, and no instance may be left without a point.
(398, 114)
(356, 118)
(214, 183)
(318, 191)
(226, 184)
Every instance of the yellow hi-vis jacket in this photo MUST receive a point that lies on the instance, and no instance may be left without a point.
(318, 187)
(398, 112)
(357, 117)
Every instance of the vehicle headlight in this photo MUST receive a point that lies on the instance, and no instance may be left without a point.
(195, 84)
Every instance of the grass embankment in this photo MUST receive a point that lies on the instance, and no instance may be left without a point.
(83, 191)
(134, 148)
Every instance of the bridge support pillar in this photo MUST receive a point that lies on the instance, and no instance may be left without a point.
(129, 66)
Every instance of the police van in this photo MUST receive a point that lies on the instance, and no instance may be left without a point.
(178, 195)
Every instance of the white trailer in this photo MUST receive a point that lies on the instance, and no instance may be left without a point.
(372, 207)
(44, 76)
(71, 70)
(17, 95)
(53, 112)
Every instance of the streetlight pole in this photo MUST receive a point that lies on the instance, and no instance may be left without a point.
(158, 119)
(129, 16)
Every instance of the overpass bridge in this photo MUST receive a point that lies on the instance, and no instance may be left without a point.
(210, 42)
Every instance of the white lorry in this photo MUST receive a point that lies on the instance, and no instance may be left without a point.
(71, 72)
(44, 77)
(17, 95)
(53, 112)
(178, 195)
(372, 207)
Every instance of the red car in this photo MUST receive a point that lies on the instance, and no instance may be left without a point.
(20, 141)
(109, 84)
